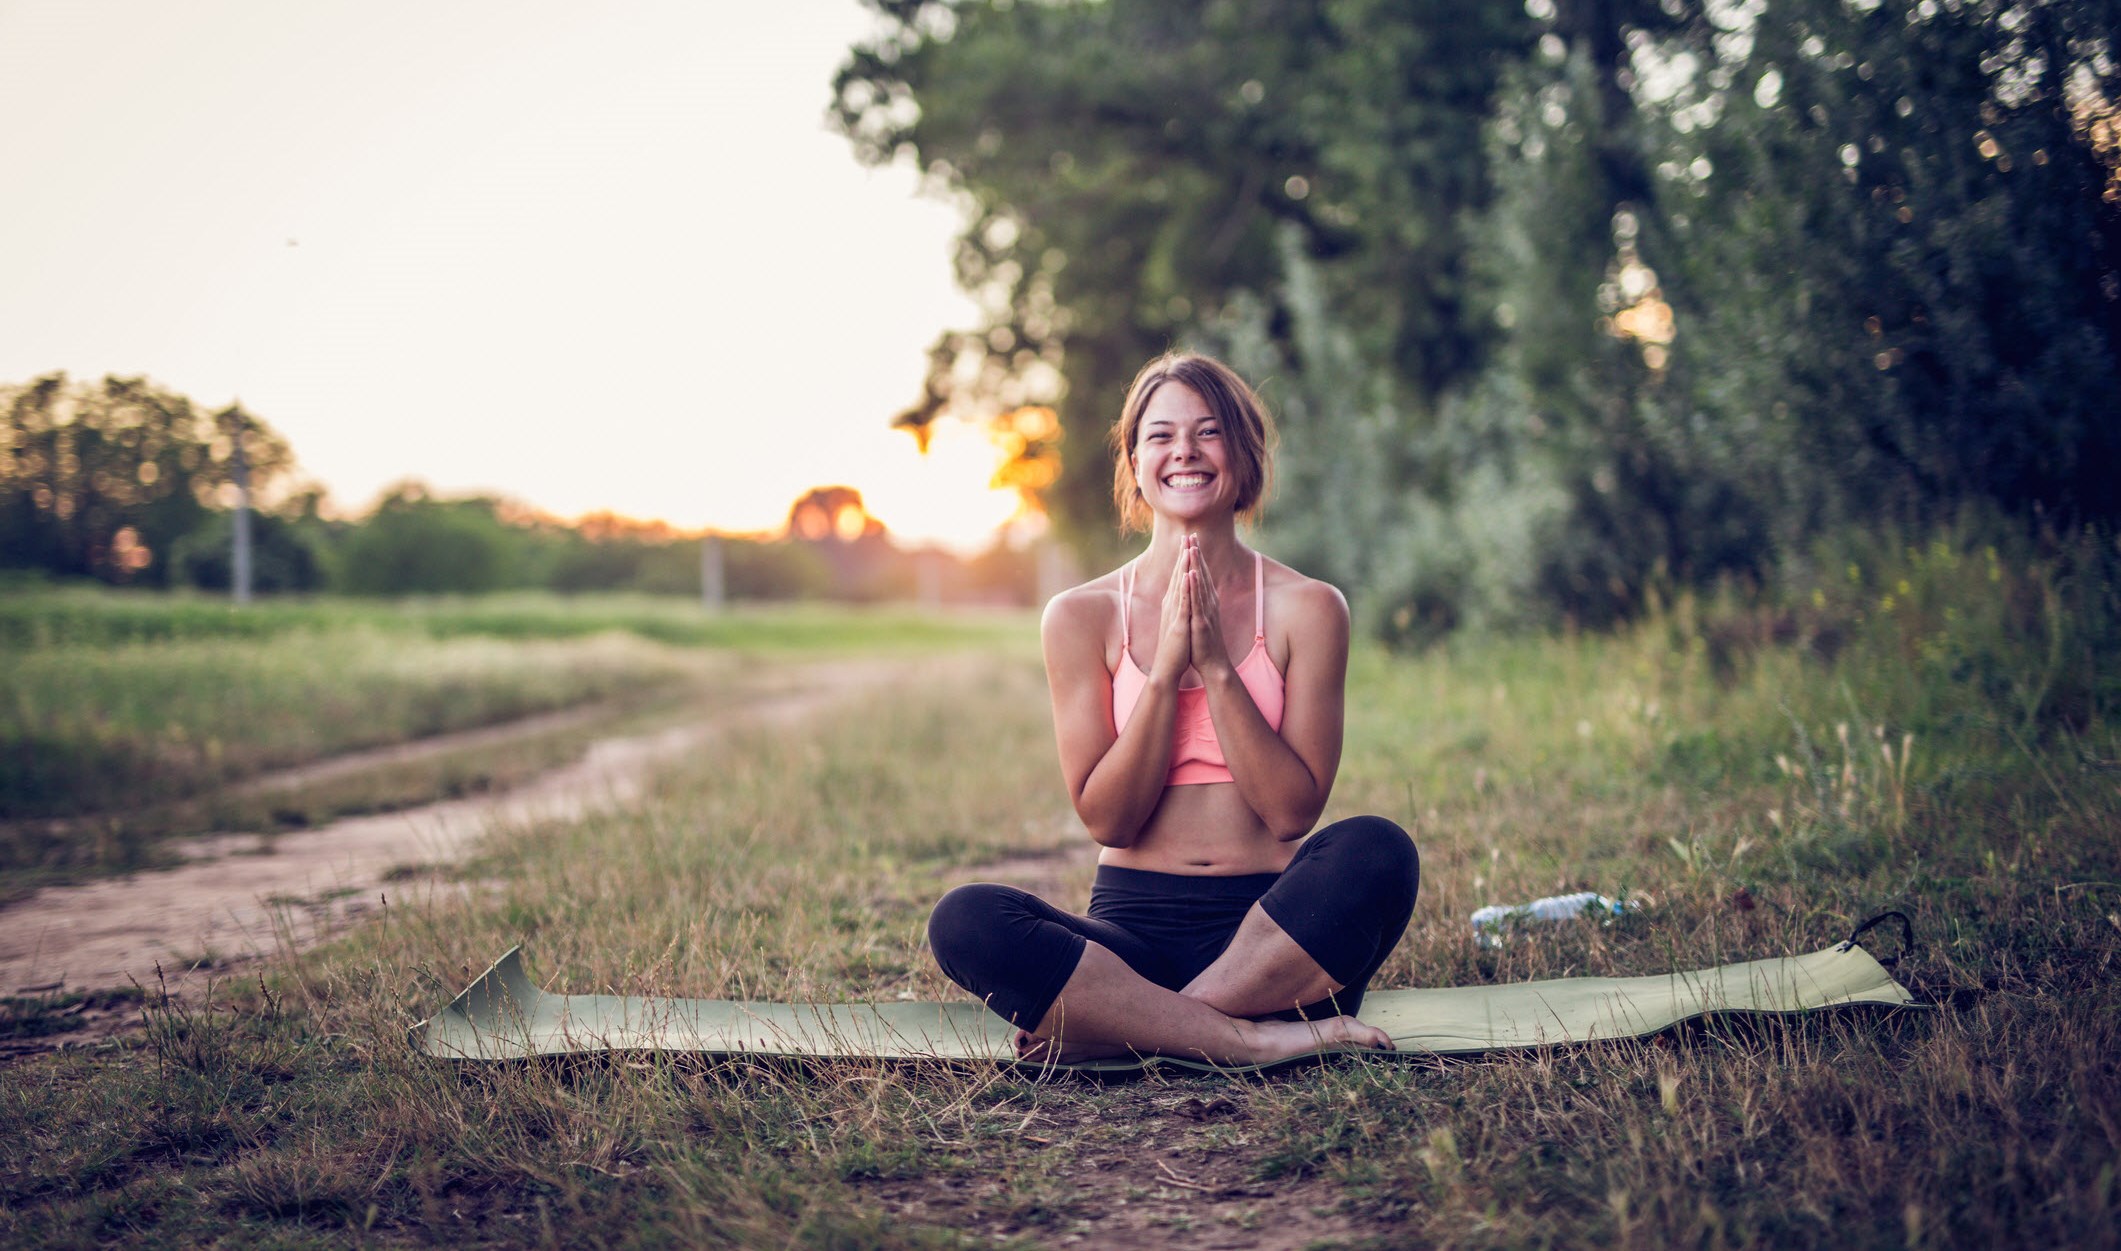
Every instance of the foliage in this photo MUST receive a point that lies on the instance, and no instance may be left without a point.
(128, 483)
(1129, 166)
(1561, 306)
(415, 544)
(101, 480)
(287, 555)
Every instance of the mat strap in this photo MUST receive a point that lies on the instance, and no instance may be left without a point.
(1907, 936)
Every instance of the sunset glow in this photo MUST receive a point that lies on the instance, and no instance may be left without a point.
(927, 497)
(587, 258)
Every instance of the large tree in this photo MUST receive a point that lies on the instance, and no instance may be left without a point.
(1130, 168)
(1556, 300)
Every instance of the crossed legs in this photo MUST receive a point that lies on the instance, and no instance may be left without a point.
(1122, 978)
(1106, 1008)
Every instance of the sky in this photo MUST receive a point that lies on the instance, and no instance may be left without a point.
(586, 256)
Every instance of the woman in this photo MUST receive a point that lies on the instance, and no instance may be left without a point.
(1212, 932)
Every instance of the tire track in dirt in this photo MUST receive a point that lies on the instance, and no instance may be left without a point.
(244, 896)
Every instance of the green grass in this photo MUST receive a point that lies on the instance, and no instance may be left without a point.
(124, 718)
(37, 618)
(799, 863)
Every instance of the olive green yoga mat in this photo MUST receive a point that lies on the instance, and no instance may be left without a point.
(504, 1016)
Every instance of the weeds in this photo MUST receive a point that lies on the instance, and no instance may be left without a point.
(799, 864)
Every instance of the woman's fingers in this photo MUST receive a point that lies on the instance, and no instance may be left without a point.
(1206, 634)
(1174, 644)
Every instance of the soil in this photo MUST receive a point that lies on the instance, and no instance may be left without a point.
(240, 897)
(1179, 1178)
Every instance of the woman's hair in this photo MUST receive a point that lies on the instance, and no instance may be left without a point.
(1246, 428)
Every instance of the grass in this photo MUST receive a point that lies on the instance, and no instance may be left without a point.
(799, 863)
(37, 618)
(125, 719)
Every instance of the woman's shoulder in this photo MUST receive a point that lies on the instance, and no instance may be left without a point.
(1087, 606)
(1289, 588)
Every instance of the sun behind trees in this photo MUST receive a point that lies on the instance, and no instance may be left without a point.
(126, 483)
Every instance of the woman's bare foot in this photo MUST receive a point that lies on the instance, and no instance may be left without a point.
(1282, 1040)
(1030, 1047)
(1266, 1042)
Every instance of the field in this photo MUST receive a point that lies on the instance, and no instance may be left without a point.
(126, 720)
(1928, 729)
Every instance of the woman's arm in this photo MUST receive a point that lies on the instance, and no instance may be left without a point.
(1285, 777)
(1115, 782)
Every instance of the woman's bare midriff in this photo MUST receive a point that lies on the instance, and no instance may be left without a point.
(1205, 830)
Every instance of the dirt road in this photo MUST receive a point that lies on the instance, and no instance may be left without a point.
(241, 896)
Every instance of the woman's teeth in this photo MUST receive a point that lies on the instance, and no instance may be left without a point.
(1186, 480)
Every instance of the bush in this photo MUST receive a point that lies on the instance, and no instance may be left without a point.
(283, 557)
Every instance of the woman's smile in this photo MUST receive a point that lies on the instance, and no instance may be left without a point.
(1180, 451)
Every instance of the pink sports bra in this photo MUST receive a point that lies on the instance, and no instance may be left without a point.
(1196, 755)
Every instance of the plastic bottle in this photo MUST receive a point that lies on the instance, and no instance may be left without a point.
(1491, 922)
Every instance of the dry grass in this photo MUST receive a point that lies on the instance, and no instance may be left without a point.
(800, 864)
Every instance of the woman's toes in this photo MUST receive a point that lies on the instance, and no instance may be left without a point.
(1347, 1030)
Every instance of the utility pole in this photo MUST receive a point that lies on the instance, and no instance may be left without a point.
(714, 591)
(239, 468)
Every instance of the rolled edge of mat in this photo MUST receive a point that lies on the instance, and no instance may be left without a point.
(489, 1020)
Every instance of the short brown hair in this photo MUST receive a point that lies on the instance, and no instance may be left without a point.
(1244, 420)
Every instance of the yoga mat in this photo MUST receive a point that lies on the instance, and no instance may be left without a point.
(504, 1016)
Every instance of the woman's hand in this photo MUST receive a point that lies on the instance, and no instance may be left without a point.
(1204, 632)
(1174, 647)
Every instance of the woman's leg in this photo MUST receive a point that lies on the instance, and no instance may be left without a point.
(1261, 972)
(1324, 929)
(1016, 951)
(1106, 1007)
(1077, 984)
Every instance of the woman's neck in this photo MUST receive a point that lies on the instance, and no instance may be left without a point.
(1225, 556)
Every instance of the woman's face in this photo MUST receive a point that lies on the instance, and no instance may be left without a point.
(1181, 457)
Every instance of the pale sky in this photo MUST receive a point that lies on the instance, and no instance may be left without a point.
(586, 255)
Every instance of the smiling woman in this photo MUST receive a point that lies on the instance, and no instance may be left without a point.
(1229, 425)
(1213, 932)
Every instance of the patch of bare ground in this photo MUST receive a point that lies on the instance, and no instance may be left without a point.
(239, 897)
(1155, 1164)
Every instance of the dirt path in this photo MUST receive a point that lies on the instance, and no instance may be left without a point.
(357, 762)
(242, 896)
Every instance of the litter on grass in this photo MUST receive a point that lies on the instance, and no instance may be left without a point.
(1491, 923)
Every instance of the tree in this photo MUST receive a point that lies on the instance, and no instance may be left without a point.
(99, 480)
(1128, 168)
(1716, 277)
(416, 544)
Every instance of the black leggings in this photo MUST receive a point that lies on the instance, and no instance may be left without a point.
(1345, 899)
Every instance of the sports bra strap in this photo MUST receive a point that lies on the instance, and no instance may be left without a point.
(1259, 598)
(1126, 599)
